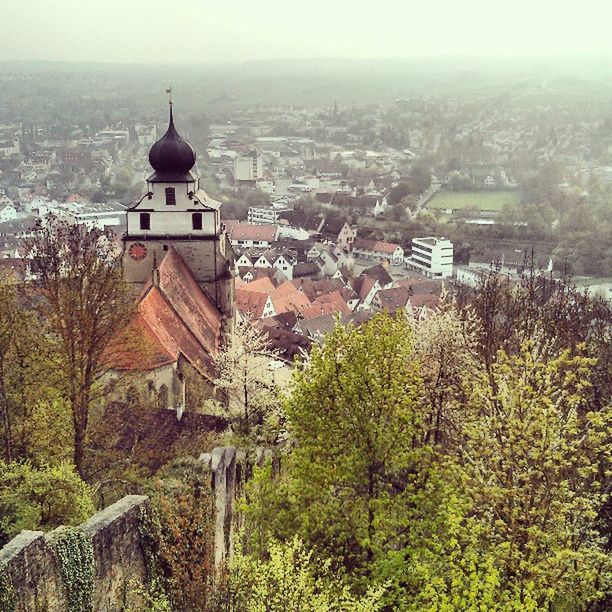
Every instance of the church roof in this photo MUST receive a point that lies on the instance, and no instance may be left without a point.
(172, 157)
(173, 317)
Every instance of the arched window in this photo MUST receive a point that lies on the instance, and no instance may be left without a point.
(145, 221)
(196, 221)
(170, 196)
(162, 398)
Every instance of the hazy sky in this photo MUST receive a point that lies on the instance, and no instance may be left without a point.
(197, 31)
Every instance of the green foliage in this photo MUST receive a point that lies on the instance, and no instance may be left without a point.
(290, 580)
(349, 486)
(44, 498)
(8, 601)
(531, 451)
(74, 553)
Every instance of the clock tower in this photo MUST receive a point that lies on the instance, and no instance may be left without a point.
(175, 212)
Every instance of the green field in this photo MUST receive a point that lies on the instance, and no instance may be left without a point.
(482, 200)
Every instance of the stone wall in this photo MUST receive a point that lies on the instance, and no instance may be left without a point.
(119, 560)
(118, 547)
(230, 469)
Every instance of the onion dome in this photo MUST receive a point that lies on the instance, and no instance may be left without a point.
(172, 157)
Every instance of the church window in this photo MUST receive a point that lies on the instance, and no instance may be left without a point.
(162, 397)
(196, 221)
(170, 196)
(145, 221)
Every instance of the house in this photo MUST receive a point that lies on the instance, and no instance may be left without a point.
(248, 235)
(392, 300)
(379, 273)
(328, 303)
(307, 269)
(8, 212)
(315, 328)
(346, 237)
(365, 288)
(378, 251)
(286, 297)
(254, 304)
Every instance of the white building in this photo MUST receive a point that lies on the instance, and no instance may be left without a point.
(266, 186)
(98, 215)
(432, 257)
(8, 212)
(265, 215)
(248, 168)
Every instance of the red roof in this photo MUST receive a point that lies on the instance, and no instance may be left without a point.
(328, 303)
(172, 319)
(261, 285)
(247, 231)
(362, 286)
(375, 246)
(251, 303)
(286, 297)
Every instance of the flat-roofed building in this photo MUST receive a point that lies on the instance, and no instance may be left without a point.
(432, 257)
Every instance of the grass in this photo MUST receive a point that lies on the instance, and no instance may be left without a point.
(482, 200)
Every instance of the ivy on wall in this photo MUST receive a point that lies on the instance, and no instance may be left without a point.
(8, 600)
(74, 553)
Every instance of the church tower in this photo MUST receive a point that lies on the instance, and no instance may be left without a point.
(175, 212)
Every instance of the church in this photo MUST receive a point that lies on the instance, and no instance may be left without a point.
(179, 261)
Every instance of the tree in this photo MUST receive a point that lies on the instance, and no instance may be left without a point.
(249, 388)
(531, 450)
(85, 303)
(356, 415)
(290, 580)
(446, 344)
(42, 498)
(27, 373)
(182, 535)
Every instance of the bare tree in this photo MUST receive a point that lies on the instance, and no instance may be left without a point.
(86, 304)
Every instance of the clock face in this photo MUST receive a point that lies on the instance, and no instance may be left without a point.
(138, 251)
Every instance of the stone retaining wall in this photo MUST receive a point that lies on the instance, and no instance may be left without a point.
(31, 566)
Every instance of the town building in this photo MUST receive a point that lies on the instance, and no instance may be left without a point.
(378, 251)
(432, 257)
(248, 169)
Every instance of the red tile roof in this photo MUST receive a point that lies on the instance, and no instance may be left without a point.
(328, 303)
(261, 285)
(172, 319)
(247, 231)
(286, 297)
(251, 303)
(375, 246)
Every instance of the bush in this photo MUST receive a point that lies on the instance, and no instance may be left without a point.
(44, 498)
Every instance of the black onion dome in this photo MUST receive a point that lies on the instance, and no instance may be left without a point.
(172, 157)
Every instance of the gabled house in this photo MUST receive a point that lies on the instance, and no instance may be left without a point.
(378, 251)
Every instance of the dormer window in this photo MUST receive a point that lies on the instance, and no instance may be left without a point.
(145, 221)
(196, 221)
(170, 196)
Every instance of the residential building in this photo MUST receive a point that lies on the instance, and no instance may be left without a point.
(247, 235)
(260, 215)
(378, 251)
(248, 169)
